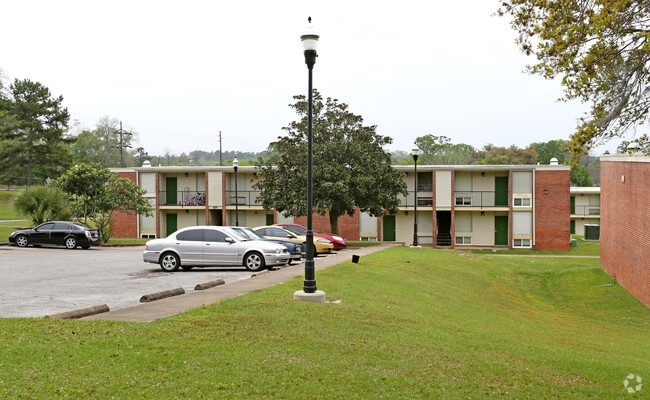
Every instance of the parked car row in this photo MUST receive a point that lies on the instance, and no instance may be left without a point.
(254, 248)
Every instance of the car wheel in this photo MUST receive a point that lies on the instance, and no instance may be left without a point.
(169, 262)
(254, 261)
(22, 241)
(71, 243)
(187, 267)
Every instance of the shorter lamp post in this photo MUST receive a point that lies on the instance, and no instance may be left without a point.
(235, 166)
(415, 153)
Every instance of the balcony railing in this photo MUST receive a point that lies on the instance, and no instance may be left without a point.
(586, 210)
(425, 199)
(183, 198)
(243, 198)
(477, 199)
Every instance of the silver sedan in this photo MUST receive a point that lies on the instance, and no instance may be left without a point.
(210, 246)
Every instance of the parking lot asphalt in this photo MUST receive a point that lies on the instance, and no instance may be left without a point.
(148, 312)
(43, 281)
(47, 280)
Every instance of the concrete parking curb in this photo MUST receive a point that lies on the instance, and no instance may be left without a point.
(211, 284)
(80, 313)
(162, 295)
(149, 312)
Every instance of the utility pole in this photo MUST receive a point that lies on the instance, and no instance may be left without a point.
(121, 146)
(220, 159)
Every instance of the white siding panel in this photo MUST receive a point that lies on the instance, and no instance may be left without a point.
(463, 181)
(367, 224)
(483, 229)
(214, 192)
(522, 223)
(281, 219)
(522, 182)
(443, 189)
(463, 222)
(148, 182)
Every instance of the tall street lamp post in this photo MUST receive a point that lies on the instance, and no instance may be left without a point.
(310, 293)
(415, 153)
(235, 166)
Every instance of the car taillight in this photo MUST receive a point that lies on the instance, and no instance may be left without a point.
(146, 247)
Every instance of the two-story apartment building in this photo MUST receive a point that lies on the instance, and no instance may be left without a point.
(585, 208)
(514, 206)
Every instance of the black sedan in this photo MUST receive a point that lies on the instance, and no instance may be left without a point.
(63, 233)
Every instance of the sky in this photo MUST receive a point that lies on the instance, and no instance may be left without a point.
(178, 73)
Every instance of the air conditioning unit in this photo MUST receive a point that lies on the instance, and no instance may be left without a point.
(592, 232)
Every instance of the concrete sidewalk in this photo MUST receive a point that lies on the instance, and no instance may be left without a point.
(148, 312)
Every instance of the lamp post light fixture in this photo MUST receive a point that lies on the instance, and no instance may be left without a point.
(235, 166)
(310, 293)
(416, 153)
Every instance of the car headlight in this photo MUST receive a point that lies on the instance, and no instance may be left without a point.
(323, 241)
(338, 238)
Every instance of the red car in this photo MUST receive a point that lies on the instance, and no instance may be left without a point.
(338, 241)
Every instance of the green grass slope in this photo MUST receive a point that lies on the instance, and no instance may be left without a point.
(411, 323)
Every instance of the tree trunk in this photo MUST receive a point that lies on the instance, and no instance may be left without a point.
(334, 223)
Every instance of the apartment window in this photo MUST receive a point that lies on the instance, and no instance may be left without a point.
(521, 243)
(521, 202)
(463, 240)
(463, 201)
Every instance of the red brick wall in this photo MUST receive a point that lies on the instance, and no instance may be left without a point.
(124, 225)
(552, 210)
(349, 227)
(625, 225)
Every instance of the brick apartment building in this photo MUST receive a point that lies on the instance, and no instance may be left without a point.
(585, 208)
(625, 216)
(511, 206)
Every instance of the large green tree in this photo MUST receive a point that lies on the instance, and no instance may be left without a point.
(580, 176)
(351, 167)
(98, 193)
(505, 155)
(439, 150)
(600, 49)
(552, 149)
(33, 128)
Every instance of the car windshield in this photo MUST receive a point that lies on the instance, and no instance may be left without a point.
(295, 229)
(250, 233)
(239, 235)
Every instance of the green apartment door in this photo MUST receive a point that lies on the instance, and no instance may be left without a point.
(170, 194)
(389, 228)
(172, 223)
(501, 191)
(500, 230)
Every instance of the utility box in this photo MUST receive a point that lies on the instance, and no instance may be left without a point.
(592, 232)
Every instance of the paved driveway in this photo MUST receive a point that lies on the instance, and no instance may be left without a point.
(35, 282)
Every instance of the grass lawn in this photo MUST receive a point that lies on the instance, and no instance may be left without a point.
(412, 323)
(583, 249)
(6, 204)
(7, 227)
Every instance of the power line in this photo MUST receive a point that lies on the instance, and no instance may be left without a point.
(122, 145)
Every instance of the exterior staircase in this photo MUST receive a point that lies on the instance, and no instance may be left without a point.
(443, 239)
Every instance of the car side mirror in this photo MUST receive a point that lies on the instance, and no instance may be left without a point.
(230, 240)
